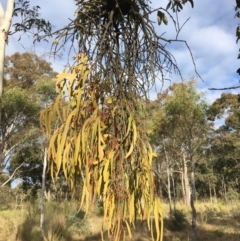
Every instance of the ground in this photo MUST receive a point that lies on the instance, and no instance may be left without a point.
(216, 222)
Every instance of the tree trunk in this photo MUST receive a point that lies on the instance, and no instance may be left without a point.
(41, 201)
(183, 188)
(5, 23)
(186, 181)
(174, 191)
(225, 190)
(168, 180)
(215, 193)
(194, 212)
(159, 186)
(210, 192)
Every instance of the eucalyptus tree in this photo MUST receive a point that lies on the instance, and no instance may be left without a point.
(182, 130)
(28, 85)
(225, 143)
(30, 19)
(187, 109)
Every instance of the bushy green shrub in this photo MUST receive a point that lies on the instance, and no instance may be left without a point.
(232, 195)
(177, 221)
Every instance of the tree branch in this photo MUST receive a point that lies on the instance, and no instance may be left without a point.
(11, 177)
(227, 88)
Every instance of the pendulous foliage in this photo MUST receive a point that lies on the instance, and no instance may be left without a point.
(96, 138)
(94, 130)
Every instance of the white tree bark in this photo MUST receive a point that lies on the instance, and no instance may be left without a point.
(5, 23)
(168, 179)
(186, 180)
(193, 195)
(41, 201)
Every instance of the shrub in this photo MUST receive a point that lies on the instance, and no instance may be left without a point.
(232, 195)
(77, 224)
(177, 221)
(55, 224)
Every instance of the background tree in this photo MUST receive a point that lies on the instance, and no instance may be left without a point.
(25, 91)
(19, 117)
(23, 70)
(225, 144)
(30, 19)
(184, 125)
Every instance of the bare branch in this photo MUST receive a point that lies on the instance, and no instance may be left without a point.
(189, 49)
(122, 44)
(182, 27)
(11, 177)
(227, 88)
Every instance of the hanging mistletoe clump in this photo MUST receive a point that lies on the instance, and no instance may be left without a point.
(94, 136)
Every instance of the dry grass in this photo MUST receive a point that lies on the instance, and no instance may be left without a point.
(216, 222)
(9, 222)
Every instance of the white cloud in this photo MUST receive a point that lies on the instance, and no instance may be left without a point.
(210, 33)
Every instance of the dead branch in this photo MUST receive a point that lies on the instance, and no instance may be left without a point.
(227, 88)
(11, 177)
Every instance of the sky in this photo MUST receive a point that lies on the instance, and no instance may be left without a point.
(209, 32)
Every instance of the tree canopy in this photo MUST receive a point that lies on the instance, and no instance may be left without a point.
(25, 69)
(25, 92)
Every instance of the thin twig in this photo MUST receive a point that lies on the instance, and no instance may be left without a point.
(181, 27)
(227, 88)
(195, 67)
(10, 178)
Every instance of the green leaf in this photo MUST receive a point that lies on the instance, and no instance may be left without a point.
(238, 34)
(160, 16)
(169, 5)
(191, 1)
(179, 6)
(165, 20)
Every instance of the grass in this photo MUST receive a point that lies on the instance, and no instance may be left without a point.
(215, 222)
(219, 221)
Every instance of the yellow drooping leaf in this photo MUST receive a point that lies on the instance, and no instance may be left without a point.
(132, 209)
(128, 228)
(129, 125)
(84, 190)
(77, 150)
(101, 152)
(109, 100)
(94, 100)
(130, 150)
(63, 76)
(99, 183)
(62, 141)
(96, 138)
(156, 219)
(106, 171)
(134, 132)
(154, 154)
